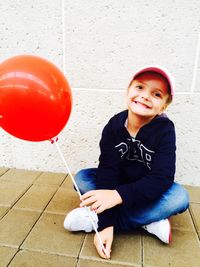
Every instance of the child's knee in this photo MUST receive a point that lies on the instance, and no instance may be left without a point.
(79, 176)
(85, 180)
(79, 179)
(186, 199)
(182, 198)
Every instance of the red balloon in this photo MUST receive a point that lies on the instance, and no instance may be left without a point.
(35, 98)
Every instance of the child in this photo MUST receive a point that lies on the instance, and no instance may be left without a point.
(133, 185)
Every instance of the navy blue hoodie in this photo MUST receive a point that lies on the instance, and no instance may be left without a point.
(139, 168)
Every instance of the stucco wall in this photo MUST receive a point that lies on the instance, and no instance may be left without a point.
(99, 44)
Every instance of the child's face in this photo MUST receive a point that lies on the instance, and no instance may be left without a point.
(147, 96)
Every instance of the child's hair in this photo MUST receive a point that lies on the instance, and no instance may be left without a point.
(169, 99)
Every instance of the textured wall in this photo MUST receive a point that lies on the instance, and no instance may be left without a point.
(104, 43)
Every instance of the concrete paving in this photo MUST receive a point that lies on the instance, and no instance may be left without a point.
(33, 206)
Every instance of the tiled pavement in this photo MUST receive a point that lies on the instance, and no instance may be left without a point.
(32, 209)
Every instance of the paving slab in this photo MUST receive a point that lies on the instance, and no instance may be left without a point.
(105, 263)
(15, 226)
(183, 252)
(182, 222)
(50, 178)
(36, 198)
(68, 182)
(11, 192)
(194, 192)
(48, 235)
(3, 210)
(195, 210)
(126, 249)
(3, 170)
(6, 254)
(32, 259)
(63, 201)
(20, 176)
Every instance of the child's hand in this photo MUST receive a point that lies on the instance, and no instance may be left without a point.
(100, 200)
(107, 239)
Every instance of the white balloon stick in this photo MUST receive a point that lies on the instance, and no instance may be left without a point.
(54, 141)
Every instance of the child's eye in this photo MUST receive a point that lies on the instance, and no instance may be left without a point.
(139, 87)
(158, 94)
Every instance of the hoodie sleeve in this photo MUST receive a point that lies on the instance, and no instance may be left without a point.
(159, 178)
(107, 173)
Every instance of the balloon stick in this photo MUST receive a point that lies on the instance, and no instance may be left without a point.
(54, 141)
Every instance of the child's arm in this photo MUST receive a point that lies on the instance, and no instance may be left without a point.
(108, 173)
(100, 200)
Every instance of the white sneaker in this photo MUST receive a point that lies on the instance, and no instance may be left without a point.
(80, 219)
(162, 229)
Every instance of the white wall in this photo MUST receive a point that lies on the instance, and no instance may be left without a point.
(104, 43)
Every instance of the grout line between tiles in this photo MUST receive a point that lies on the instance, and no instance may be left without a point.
(4, 214)
(41, 252)
(48, 252)
(77, 261)
(4, 172)
(8, 245)
(56, 184)
(13, 257)
(142, 250)
(111, 262)
(13, 204)
(195, 202)
(23, 193)
(81, 247)
(39, 174)
(193, 221)
(67, 175)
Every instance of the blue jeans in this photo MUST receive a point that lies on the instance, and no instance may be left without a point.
(175, 200)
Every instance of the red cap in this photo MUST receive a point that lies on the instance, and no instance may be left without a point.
(157, 69)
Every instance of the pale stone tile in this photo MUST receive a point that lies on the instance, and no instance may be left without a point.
(182, 222)
(68, 182)
(3, 170)
(194, 192)
(15, 226)
(182, 252)
(32, 259)
(49, 235)
(125, 249)
(11, 192)
(6, 254)
(3, 210)
(20, 176)
(195, 209)
(36, 198)
(103, 263)
(64, 201)
(50, 178)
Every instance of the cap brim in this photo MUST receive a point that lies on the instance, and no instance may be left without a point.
(161, 71)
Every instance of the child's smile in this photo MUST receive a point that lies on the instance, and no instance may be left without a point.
(143, 105)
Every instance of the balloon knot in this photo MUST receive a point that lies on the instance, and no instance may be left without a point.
(54, 139)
